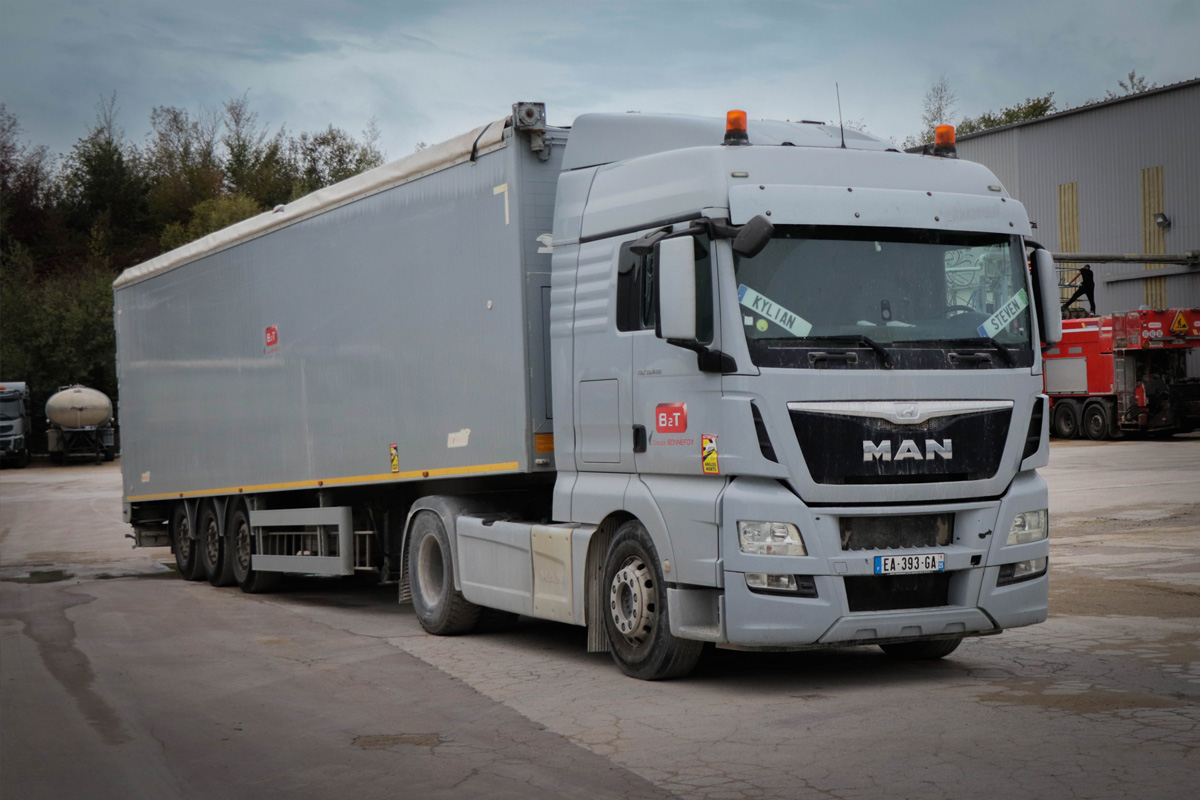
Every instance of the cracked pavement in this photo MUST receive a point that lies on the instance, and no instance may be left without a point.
(148, 686)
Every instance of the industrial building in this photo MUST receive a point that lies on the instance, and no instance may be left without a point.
(1119, 177)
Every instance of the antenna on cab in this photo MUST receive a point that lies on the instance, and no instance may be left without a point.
(840, 125)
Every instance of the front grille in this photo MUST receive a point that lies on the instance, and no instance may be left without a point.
(896, 532)
(894, 592)
(846, 449)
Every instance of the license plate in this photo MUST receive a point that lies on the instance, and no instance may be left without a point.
(910, 565)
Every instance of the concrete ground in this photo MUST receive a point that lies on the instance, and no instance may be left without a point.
(117, 679)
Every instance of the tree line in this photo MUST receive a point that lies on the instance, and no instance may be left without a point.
(70, 224)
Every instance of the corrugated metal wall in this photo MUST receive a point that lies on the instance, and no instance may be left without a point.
(1093, 179)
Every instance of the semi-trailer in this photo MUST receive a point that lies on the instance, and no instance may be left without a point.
(677, 380)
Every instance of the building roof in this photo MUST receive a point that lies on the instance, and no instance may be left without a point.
(1128, 98)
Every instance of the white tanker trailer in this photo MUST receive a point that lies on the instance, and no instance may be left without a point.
(79, 425)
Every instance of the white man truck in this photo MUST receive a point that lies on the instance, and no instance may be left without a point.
(678, 380)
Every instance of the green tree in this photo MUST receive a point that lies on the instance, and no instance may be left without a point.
(256, 162)
(1031, 108)
(1133, 84)
(183, 162)
(209, 216)
(332, 155)
(105, 192)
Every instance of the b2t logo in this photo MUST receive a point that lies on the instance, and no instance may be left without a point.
(670, 418)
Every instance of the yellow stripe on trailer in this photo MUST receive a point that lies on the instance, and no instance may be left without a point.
(477, 469)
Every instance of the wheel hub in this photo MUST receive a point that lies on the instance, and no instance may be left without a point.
(632, 600)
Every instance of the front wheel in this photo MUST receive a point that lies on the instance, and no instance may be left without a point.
(930, 650)
(638, 627)
(441, 609)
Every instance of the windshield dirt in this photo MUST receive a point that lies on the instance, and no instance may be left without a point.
(907, 296)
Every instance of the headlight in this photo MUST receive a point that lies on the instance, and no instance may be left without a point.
(770, 539)
(1029, 526)
(796, 585)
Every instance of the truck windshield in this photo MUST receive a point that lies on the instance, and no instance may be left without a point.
(904, 296)
(10, 409)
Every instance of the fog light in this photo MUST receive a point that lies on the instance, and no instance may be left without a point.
(797, 585)
(1021, 571)
(770, 539)
(1029, 526)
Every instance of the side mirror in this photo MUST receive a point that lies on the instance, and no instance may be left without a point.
(1048, 310)
(676, 291)
(753, 237)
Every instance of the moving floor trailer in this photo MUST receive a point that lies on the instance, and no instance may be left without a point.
(678, 380)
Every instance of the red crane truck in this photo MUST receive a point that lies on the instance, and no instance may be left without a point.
(1124, 372)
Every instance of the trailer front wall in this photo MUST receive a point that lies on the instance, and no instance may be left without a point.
(301, 357)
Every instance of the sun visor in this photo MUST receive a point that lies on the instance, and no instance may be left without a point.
(888, 208)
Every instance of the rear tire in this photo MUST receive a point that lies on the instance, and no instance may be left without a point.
(241, 549)
(636, 620)
(441, 609)
(1095, 422)
(187, 557)
(1066, 420)
(217, 564)
(929, 650)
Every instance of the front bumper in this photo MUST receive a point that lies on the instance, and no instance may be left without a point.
(970, 601)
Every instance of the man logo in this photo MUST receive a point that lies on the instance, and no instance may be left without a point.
(908, 450)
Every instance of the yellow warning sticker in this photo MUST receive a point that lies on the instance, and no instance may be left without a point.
(394, 450)
(1180, 324)
(708, 454)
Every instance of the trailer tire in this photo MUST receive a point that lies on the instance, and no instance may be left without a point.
(187, 557)
(441, 609)
(929, 650)
(636, 619)
(213, 555)
(241, 553)
(1066, 419)
(1095, 422)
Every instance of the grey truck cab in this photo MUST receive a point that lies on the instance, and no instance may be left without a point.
(810, 372)
(14, 423)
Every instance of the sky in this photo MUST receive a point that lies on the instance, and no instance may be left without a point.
(428, 71)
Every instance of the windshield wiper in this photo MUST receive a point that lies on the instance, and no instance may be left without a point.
(1005, 354)
(853, 338)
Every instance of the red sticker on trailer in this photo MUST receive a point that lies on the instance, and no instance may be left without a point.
(272, 339)
(670, 418)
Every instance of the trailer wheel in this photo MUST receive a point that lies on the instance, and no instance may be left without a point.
(213, 555)
(1095, 422)
(639, 630)
(241, 552)
(1066, 420)
(441, 609)
(922, 651)
(187, 560)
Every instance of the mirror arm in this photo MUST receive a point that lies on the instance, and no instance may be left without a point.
(708, 360)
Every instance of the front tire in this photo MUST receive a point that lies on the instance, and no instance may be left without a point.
(636, 620)
(929, 650)
(441, 609)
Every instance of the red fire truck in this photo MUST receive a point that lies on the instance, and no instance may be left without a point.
(1124, 372)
